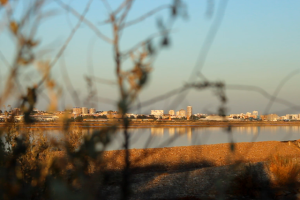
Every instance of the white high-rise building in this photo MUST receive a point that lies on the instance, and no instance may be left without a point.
(92, 111)
(171, 112)
(182, 113)
(84, 110)
(189, 112)
(77, 110)
(255, 113)
(157, 113)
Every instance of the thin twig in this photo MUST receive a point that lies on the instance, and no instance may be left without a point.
(105, 81)
(4, 60)
(150, 38)
(69, 85)
(145, 16)
(106, 4)
(279, 87)
(120, 8)
(58, 55)
(210, 37)
(125, 13)
(261, 91)
(87, 22)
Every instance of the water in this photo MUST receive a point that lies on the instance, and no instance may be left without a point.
(185, 136)
(147, 137)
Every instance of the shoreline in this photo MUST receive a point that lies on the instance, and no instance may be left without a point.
(155, 124)
(190, 171)
(198, 156)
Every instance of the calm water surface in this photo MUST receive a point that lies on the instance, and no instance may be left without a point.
(185, 136)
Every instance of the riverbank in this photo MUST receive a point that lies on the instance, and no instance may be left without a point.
(145, 124)
(194, 172)
(191, 157)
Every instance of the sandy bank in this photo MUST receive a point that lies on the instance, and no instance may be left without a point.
(56, 125)
(191, 157)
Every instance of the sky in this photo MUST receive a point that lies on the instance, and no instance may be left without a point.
(257, 44)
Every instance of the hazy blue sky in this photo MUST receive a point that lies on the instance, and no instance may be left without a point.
(257, 44)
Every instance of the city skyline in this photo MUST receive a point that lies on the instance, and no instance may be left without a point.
(158, 114)
(243, 53)
(134, 99)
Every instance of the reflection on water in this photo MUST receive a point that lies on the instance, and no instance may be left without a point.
(171, 131)
(184, 136)
(157, 131)
(182, 130)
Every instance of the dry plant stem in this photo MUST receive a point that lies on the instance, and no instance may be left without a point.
(124, 15)
(120, 8)
(150, 38)
(106, 4)
(69, 85)
(86, 21)
(145, 16)
(263, 93)
(104, 81)
(123, 98)
(68, 39)
(126, 183)
(280, 85)
(210, 37)
(9, 83)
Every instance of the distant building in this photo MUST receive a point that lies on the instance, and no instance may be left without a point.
(270, 117)
(157, 113)
(292, 116)
(92, 111)
(84, 110)
(273, 117)
(255, 113)
(77, 110)
(172, 112)
(182, 113)
(189, 112)
(177, 114)
(216, 118)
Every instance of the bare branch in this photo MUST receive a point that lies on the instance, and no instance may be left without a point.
(72, 33)
(210, 37)
(260, 91)
(124, 15)
(162, 97)
(280, 85)
(87, 22)
(4, 60)
(105, 81)
(145, 16)
(69, 85)
(107, 5)
(120, 7)
(150, 38)
(58, 55)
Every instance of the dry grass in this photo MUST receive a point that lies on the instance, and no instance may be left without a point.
(284, 171)
(250, 182)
